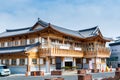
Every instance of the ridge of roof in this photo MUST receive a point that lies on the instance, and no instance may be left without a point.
(96, 29)
(20, 29)
(93, 28)
(43, 23)
(68, 31)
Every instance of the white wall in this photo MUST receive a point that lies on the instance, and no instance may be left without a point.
(43, 68)
(18, 69)
(34, 68)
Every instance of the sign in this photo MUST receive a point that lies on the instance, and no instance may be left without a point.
(68, 59)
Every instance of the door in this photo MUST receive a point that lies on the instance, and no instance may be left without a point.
(69, 64)
(58, 63)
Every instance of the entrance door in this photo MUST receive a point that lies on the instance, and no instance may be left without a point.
(69, 64)
(58, 63)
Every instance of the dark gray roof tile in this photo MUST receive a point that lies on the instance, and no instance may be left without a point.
(16, 49)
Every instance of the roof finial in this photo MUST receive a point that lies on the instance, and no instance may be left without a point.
(49, 24)
(38, 18)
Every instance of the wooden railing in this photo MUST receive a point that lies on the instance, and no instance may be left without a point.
(99, 52)
(103, 52)
(88, 54)
(60, 52)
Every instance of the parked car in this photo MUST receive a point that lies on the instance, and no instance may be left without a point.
(4, 70)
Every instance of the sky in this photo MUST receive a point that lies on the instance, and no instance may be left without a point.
(71, 14)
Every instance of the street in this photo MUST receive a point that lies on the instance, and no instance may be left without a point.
(68, 76)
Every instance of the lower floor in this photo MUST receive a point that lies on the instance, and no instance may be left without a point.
(47, 64)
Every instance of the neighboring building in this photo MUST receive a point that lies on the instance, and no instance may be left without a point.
(47, 47)
(114, 59)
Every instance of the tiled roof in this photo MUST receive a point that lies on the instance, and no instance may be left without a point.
(14, 32)
(114, 44)
(67, 31)
(81, 33)
(88, 32)
(16, 49)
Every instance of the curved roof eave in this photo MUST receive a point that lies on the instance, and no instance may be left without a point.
(106, 39)
(65, 33)
(14, 35)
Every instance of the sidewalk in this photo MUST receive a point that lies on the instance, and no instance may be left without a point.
(69, 75)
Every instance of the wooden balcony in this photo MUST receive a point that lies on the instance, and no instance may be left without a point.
(60, 52)
(103, 52)
(89, 54)
(99, 52)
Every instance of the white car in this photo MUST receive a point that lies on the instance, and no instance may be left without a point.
(4, 70)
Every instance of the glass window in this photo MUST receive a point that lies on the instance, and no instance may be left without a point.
(32, 40)
(2, 44)
(44, 61)
(34, 61)
(7, 61)
(22, 61)
(16, 43)
(23, 42)
(9, 44)
(3, 67)
(13, 61)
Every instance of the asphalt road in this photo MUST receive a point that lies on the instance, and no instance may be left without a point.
(97, 76)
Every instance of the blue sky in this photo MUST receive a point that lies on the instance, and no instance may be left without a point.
(71, 14)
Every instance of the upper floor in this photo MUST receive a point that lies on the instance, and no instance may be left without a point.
(89, 42)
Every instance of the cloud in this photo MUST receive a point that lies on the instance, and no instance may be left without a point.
(79, 14)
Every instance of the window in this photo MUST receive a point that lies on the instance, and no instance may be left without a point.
(16, 43)
(9, 44)
(7, 61)
(77, 44)
(2, 44)
(13, 61)
(102, 60)
(34, 61)
(44, 61)
(22, 61)
(23, 42)
(41, 61)
(32, 40)
(52, 61)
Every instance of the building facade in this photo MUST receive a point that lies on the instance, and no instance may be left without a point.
(47, 47)
(114, 59)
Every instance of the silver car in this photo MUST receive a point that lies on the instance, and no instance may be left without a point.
(4, 70)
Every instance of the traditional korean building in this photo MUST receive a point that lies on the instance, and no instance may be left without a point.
(47, 47)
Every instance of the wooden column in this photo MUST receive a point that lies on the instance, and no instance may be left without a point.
(62, 62)
(39, 63)
(73, 45)
(95, 64)
(74, 61)
(48, 41)
(28, 65)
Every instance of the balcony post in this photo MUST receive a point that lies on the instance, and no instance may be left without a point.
(48, 41)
